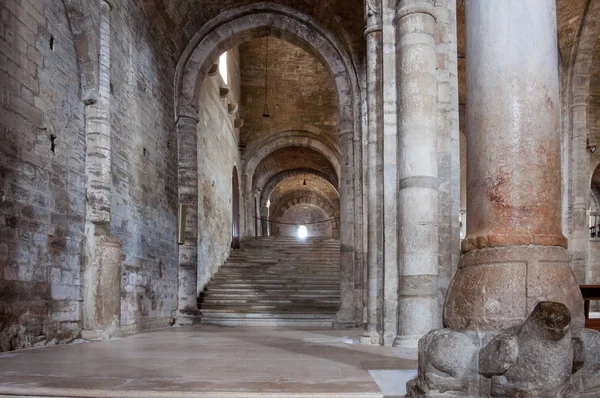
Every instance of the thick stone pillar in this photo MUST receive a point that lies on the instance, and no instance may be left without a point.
(513, 306)
(373, 36)
(187, 149)
(514, 248)
(102, 273)
(390, 176)
(346, 316)
(417, 171)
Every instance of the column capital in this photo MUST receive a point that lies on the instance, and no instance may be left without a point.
(373, 18)
(187, 117)
(407, 7)
(106, 3)
(374, 28)
(346, 132)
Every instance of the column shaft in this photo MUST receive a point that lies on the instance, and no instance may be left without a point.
(390, 177)
(515, 252)
(417, 170)
(373, 36)
(187, 147)
(264, 223)
(448, 145)
(346, 314)
(102, 274)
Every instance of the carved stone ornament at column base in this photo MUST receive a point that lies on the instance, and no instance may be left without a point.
(542, 357)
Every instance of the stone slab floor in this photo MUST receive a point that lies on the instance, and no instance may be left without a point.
(211, 361)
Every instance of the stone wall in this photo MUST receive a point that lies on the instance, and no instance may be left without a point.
(304, 214)
(144, 170)
(300, 91)
(41, 186)
(217, 154)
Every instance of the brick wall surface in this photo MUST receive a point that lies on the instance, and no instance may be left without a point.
(41, 190)
(300, 91)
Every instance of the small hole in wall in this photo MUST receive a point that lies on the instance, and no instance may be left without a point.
(53, 143)
(144, 152)
(51, 43)
(112, 89)
(168, 144)
(213, 183)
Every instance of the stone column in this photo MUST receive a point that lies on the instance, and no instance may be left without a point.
(373, 36)
(448, 145)
(346, 315)
(390, 176)
(102, 273)
(187, 150)
(264, 223)
(417, 171)
(514, 255)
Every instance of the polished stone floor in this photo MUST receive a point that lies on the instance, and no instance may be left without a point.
(211, 361)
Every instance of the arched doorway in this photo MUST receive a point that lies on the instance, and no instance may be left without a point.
(235, 209)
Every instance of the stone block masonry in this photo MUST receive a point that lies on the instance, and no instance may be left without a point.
(144, 169)
(42, 176)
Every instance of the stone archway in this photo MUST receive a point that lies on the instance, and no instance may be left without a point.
(309, 198)
(272, 183)
(231, 28)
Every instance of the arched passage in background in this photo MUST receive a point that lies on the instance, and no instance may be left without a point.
(235, 209)
(239, 25)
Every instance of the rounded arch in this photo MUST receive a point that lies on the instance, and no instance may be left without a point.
(306, 197)
(276, 179)
(244, 23)
(319, 143)
(233, 27)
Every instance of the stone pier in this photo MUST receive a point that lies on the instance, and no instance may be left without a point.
(373, 36)
(187, 141)
(514, 299)
(417, 170)
(102, 270)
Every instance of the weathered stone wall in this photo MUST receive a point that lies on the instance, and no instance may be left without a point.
(217, 154)
(144, 169)
(41, 189)
(304, 214)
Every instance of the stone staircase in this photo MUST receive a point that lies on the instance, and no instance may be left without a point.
(275, 282)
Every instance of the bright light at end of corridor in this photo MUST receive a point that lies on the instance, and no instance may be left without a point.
(302, 232)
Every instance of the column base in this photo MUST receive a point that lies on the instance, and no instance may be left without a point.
(497, 288)
(344, 319)
(186, 319)
(100, 335)
(407, 341)
(541, 357)
(371, 338)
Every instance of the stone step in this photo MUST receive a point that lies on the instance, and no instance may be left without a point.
(268, 303)
(274, 286)
(268, 320)
(276, 282)
(274, 294)
(241, 291)
(308, 312)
